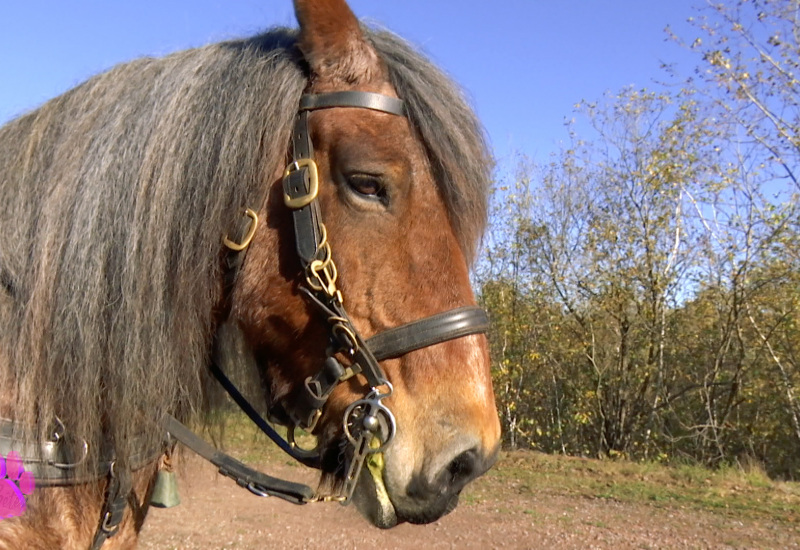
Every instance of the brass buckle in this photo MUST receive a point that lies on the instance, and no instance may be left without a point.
(251, 231)
(313, 183)
(322, 277)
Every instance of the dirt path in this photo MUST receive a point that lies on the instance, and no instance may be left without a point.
(495, 513)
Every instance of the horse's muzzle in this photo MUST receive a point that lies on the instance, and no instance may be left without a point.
(431, 495)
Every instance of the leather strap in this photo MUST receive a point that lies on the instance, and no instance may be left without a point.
(263, 425)
(253, 480)
(362, 100)
(117, 491)
(54, 462)
(306, 220)
(415, 335)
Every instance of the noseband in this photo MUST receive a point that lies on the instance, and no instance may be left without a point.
(367, 423)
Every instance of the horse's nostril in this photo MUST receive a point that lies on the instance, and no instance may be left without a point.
(463, 468)
(434, 493)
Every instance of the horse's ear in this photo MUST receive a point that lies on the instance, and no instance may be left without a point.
(332, 42)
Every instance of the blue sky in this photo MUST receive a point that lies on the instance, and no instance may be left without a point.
(523, 63)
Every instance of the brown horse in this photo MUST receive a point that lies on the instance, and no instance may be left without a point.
(343, 292)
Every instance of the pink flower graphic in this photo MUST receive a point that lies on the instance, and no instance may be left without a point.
(14, 483)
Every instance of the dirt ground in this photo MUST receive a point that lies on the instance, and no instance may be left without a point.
(493, 513)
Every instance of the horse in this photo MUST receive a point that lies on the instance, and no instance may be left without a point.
(301, 207)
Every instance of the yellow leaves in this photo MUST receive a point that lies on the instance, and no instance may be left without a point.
(718, 59)
(582, 418)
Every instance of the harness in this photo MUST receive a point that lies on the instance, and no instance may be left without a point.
(368, 424)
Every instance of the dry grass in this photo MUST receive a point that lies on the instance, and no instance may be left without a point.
(735, 492)
(740, 493)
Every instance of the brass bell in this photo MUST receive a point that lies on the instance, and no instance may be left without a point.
(165, 490)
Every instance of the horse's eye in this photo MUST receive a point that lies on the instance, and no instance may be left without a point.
(367, 185)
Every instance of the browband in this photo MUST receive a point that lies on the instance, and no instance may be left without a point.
(361, 100)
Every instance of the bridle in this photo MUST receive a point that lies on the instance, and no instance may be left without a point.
(368, 424)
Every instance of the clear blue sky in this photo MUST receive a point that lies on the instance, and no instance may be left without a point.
(523, 63)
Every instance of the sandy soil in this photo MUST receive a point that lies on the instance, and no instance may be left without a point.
(494, 513)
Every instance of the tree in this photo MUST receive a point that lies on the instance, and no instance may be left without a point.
(750, 53)
(748, 76)
(645, 284)
(599, 245)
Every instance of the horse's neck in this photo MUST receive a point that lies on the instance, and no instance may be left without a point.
(44, 524)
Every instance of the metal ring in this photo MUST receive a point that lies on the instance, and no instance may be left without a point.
(380, 395)
(107, 526)
(391, 423)
(314, 279)
(256, 489)
(59, 430)
(297, 450)
(64, 466)
(341, 329)
(251, 231)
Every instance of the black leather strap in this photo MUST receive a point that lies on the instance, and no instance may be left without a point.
(362, 100)
(253, 480)
(252, 413)
(318, 389)
(117, 491)
(364, 361)
(306, 220)
(428, 331)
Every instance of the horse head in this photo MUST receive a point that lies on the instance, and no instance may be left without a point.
(401, 229)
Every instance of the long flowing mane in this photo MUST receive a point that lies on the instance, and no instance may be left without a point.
(115, 196)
